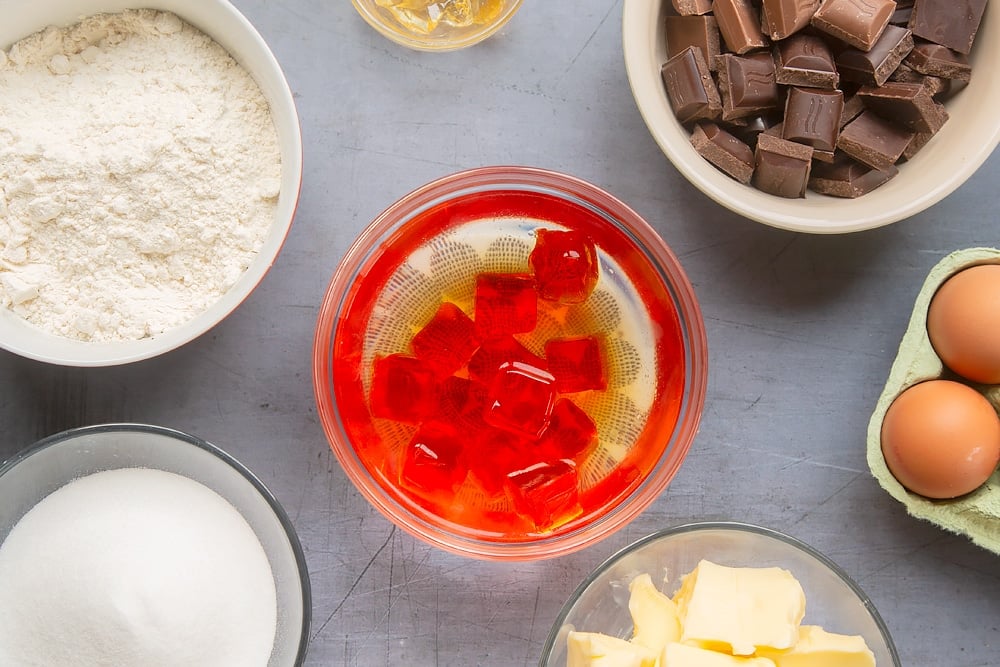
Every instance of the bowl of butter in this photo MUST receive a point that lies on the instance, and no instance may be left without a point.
(719, 593)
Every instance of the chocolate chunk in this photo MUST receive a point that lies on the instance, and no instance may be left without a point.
(901, 16)
(692, 7)
(936, 60)
(918, 141)
(684, 31)
(782, 18)
(845, 177)
(906, 74)
(805, 60)
(873, 140)
(748, 128)
(908, 104)
(690, 87)
(746, 84)
(739, 24)
(812, 117)
(951, 23)
(723, 150)
(853, 105)
(874, 67)
(782, 167)
(857, 22)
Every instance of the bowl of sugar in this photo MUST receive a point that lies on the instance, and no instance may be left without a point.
(141, 545)
(510, 363)
(129, 229)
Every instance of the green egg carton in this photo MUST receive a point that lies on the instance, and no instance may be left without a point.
(977, 514)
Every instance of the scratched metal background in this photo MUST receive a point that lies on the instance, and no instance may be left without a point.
(802, 331)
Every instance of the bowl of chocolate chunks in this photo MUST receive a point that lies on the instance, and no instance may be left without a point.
(821, 116)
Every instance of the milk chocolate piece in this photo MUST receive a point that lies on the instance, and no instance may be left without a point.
(782, 18)
(748, 128)
(723, 150)
(739, 24)
(951, 23)
(908, 104)
(805, 60)
(690, 87)
(936, 60)
(746, 84)
(852, 107)
(858, 22)
(874, 67)
(873, 140)
(906, 74)
(845, 177)
(782, 167)
(692, 7)
(812, 117)
(918, 141)
(684, 31)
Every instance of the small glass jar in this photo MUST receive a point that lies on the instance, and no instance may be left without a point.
(437, 25)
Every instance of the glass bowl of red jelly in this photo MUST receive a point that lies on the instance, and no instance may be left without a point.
(510, 363)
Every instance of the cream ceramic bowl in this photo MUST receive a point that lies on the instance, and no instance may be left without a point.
(224, 23)
(941, 166)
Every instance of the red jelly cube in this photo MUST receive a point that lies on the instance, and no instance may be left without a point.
(432, 461)
(571, 431)
(493, 354)
(462, 403)
(403, 389)
(505, 303)
(546, 493)
(520, 399)
(447, 341)
(576, 363)
(565, 265)
(498, 454)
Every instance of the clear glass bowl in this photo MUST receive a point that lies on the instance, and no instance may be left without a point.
(420, 29)
(49, 464)
(833, 600)
(370, 300)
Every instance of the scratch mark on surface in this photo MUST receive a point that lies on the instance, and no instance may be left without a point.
(793, 460)
(534, 616)
(354, 585)
(590, 39)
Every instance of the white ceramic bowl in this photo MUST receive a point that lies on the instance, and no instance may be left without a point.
(940, 167)
(224, 23)
(833, 600)
(27, 478)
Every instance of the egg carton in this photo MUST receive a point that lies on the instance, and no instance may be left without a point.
(977, 514)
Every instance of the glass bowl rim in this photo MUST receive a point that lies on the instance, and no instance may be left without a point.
(372, 18)
(529, 179)
(10, 466)
(724, 526)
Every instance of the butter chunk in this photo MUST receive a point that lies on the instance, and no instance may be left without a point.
(738, 609)
(682, 655)
(654, 615)
(819, 648)
(593, 649)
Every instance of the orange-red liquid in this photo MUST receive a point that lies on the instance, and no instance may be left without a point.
(634, 414)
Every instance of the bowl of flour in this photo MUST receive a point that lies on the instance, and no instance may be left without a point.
(141, 546)
(150, 167)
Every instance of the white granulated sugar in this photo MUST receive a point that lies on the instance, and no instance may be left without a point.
(135, 568)
(139, 174)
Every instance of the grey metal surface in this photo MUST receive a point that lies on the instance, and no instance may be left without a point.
(802, 331)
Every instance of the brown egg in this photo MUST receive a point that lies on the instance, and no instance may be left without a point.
(963, 323)
(941, 439)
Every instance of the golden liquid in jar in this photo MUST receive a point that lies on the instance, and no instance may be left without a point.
(441, 18)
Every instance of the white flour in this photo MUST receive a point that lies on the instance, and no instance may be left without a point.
(135, 568)
(139, 172)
